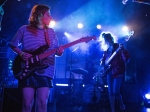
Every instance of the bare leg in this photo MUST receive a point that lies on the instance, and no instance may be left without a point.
(42, 99)
(28, 98)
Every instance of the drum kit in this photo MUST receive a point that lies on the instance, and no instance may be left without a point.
(90, 93)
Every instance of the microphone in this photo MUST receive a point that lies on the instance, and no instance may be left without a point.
(142, 1)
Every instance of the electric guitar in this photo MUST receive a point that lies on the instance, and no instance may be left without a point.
(107, 65)
(24, 68)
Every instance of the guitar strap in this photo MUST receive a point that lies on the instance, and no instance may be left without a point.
(47, 36)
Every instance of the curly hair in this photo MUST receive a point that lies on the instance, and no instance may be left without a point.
(37, 11)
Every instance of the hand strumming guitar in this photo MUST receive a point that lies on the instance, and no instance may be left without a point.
(25, 56)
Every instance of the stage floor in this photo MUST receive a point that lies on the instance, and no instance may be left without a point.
(130, 107)
(89, 99)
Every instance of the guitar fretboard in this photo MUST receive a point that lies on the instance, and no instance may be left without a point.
(85, 39)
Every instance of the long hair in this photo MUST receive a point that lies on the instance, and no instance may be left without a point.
(37, 10)
(108, 37)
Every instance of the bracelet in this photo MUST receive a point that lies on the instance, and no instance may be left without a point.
(21, 54)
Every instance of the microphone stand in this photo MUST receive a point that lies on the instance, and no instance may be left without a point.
(94, 98)
(70, 80)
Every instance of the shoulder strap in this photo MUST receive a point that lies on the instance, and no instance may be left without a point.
(47, 36)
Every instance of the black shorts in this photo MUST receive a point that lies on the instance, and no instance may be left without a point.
(36, 81)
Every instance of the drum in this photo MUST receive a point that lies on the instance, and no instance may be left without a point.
(91, 94)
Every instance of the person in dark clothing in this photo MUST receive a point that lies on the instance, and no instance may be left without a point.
(113, 67)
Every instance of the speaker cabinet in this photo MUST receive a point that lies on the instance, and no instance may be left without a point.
(11, 101)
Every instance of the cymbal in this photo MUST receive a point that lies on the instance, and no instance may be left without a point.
(79, 71)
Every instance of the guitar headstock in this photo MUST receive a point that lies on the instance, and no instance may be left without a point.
(131, 33)
(87, 39)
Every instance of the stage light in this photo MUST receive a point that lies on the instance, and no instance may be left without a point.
(61, 84)
(147, 96)
(65, 33)
(147, 109)
(83, 85)
(80, 25)
(52, 24)
(106, 86)
(125, 28)
(146, 100)
(98, 26)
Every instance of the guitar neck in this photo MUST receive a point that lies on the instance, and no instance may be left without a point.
(46, 54)
(71, 44)
(111, 57)
(53, 51)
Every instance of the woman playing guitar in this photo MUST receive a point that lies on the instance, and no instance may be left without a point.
(113, 65)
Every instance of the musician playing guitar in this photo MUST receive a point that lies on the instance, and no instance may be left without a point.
(113, 66)
(34, 66)
(32, 37)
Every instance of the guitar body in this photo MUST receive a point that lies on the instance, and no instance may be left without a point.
(22, 69)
